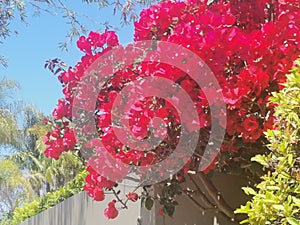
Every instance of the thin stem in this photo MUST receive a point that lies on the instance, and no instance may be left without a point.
(215, 196)
(119, 200)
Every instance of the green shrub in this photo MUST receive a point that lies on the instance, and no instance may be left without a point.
(276, 199)
(6, 219)
(48, 200)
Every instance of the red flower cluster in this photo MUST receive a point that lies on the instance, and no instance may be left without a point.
(250, 45)
(59, 140)
(249, 56)
(96, 184)
(95, 40)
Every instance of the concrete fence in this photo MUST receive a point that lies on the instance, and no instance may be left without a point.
(82, 210)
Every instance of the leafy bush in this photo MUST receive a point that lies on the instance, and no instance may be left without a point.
(48, 200)
(277, 198)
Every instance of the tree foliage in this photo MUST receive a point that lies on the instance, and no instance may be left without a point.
(25, 172)
(8, 121)
(44, 174)
(48, 200)
(15, 189)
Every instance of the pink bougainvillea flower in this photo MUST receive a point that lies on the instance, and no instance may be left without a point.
(111, 212)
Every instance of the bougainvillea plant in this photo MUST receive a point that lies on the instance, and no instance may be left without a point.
(249, 45)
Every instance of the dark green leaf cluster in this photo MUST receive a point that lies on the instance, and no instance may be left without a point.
(167, 198)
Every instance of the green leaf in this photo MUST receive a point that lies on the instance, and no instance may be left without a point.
(292, 221)
(249, 191)
(244, 221)
(273, 188)
(169, 210)
(278, 207)
(296, 200)
(243, 208)
(149, 203)
(143, 201)
(261, 159)
(49, 176)
(290, 159)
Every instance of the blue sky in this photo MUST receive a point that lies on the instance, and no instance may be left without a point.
(38, 42)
